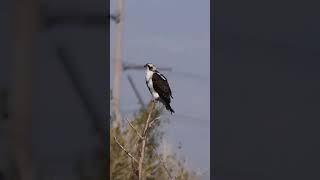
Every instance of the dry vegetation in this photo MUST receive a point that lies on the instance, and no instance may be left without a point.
(126, 146)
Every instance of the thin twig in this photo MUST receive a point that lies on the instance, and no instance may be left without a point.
(148, 119)
(125, 150)
(144, 140)
(134, 128)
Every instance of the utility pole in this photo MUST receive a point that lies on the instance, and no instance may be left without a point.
(118, 65)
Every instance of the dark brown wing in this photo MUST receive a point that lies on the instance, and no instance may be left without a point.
(161, 86)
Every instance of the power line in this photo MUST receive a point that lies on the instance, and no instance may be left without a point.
(140, 67)
(131, 66)
(183, 74)
(190, 75)
(136, 91)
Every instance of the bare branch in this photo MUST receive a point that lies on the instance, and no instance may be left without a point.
(130, 155)
(145, 139)
(148, 119)
(134, 129)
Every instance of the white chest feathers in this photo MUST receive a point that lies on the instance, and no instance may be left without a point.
(150, 84)
(149, 75)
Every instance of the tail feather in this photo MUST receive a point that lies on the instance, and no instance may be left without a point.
(168, 107)
(167, 104)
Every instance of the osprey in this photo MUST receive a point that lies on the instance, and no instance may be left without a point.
(158, 86)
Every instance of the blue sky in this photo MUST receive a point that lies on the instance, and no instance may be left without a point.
(172, 34)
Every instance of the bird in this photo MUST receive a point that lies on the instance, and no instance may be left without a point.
(158, 86)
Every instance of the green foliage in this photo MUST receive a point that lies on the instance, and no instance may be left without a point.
(122, 167)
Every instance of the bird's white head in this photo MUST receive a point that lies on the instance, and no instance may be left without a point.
(150, 67)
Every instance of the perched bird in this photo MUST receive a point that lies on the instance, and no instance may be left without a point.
(158, 86)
